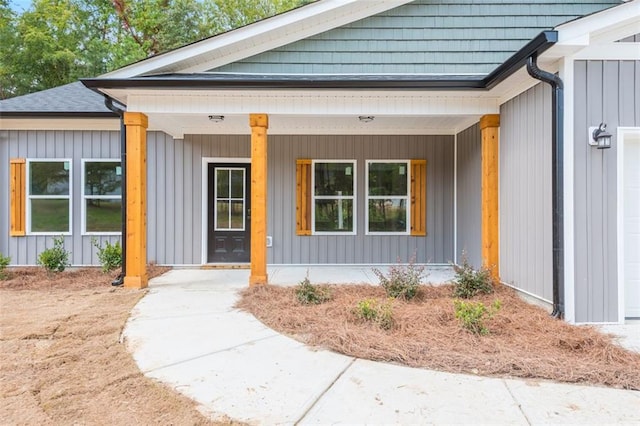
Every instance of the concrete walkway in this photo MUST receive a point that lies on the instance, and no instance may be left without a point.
(187, 334)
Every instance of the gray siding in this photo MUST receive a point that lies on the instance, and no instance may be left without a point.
(525, 192)
(288, 248)
(174, 209)
(75, 145)
(605, 91)
(631, 39)
(426, 36)
(469, 215)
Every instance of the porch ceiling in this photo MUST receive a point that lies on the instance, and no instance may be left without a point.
(179, 125)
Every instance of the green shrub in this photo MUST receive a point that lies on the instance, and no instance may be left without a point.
(4, 262)
(110, 256)
(56, 258)
(469, 282)
(371, 310)
(473, 314)
(403, 280)
(309, 294)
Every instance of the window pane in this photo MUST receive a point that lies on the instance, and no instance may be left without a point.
(237, 183)
(102, 178)
(222, 215)
(237, 215)
(334, 178)
(49, 215)
(387, 178)
(49, 178)
(334, 215)
(222, 183)
(387, 215)
(104, 215)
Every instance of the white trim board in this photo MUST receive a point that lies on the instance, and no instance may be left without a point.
(622, 134)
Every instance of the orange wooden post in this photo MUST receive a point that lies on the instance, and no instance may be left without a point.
(489, 127)
(136, 124)
(259, 124)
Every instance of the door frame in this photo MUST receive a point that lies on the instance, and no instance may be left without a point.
(623, 134)
(205, 199)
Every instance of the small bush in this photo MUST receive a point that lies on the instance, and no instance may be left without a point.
(4, 262)
(469, 282)
(403, 280)
(473, 314)
(309, 294)
(56, 258)
(371, 310)
(110, 256)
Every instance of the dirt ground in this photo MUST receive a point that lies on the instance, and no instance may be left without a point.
(524, 341)
(62, 359)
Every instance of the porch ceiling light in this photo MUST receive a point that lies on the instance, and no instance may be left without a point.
(366, 118)
(216, 118)
(600, 138)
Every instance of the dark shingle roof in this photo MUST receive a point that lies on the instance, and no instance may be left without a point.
(71, 100)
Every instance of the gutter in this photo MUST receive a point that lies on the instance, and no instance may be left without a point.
(204, 81)
(557, 179)
(108, 102)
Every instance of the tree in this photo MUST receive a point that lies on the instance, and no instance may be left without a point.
(56, 42)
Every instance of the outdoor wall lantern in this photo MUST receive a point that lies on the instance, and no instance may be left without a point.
(600, 138)
(366, 118)
(216, 118)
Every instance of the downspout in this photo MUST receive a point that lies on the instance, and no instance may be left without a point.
(108, 102)
(557, 170)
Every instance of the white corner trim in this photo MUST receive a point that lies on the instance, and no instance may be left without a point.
(455, 198)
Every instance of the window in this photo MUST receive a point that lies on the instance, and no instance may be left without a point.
(102, 199)
(388, 197)
(230, 199)
(333, 197)
(49, 199)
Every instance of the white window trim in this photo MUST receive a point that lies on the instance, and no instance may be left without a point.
(49, 197)
(353, 197)
(83, 206)
(376, 197)
(244, 200)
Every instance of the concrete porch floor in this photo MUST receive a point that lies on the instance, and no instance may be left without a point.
(186, 334)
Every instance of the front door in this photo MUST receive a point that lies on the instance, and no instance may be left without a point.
(229, 213)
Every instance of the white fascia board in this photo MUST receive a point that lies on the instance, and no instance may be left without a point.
(610, 51)
(258, 37)
(608, 25)
(312, 103)
(55, 123)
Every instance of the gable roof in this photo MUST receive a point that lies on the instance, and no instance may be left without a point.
(72, 99)
(422, 37)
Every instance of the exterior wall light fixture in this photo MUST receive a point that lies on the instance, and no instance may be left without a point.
(366, 118)
(600, 138)
(216, 118)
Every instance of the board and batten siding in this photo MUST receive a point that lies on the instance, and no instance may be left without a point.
(605, 91)
(39, 144)
(469, 215)
(174, 182)
(526, 192)
(289, 248)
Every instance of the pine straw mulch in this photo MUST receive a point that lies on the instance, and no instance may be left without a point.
(524, 341)
(37, 278)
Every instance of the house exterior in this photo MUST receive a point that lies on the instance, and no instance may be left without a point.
(355, 132)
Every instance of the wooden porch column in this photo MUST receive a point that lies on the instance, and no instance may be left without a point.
(489, 128)
(259, 124)
(136, 124)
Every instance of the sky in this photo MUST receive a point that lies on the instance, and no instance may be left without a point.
(19, 5)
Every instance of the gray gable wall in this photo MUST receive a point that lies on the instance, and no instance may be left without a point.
(423, 37)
